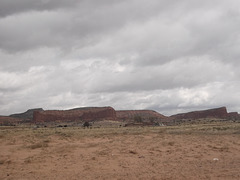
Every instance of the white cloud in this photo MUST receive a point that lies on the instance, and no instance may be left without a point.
(167, 56)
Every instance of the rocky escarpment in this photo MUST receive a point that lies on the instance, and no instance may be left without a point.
(233, 116)
(9, 121)
(28, 115)
(145, 115)
(217, 113)
(75, 115)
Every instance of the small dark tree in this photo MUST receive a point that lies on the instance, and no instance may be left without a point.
(86, 124)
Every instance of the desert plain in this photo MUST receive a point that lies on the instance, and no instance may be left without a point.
(193, 151)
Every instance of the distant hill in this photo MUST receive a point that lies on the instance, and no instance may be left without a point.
(216, 113)
(93, 114)
(145, 115)
(75, 115)
(28, 115)
(9, 121)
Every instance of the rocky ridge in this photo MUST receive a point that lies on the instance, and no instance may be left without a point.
(217, 113)
(28, 115)
(9, 121)
(145, 115)
(93, 114)
(75, 115)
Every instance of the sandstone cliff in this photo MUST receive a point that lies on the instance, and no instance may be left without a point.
(9, 121)
(28, 115)
(79, 115)
(146, 115)
(75, 115)
(233, 116)
(219, 113)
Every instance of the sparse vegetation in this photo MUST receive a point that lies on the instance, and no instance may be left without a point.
(86, 124)
(29, 134)
(38, 145)
(117, 150)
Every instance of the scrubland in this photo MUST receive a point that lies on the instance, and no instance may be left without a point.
(194, 151)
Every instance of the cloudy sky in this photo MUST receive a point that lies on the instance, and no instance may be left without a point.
(167, 55)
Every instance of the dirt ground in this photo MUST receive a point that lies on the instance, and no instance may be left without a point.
(186, 152)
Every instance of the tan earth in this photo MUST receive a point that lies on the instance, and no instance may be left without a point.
(209, 151)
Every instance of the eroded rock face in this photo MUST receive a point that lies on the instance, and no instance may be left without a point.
(79, 115)
(233, 116)
(220, 113)
(129, 115)
(75, 115)
(28, 115)
(9, 121)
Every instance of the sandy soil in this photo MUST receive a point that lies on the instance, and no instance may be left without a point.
(144, 153)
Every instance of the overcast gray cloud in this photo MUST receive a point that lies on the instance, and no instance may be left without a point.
(169, 56)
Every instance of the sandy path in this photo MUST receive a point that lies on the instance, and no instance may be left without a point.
(121, 156)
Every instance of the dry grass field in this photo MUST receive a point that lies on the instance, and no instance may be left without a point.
(202, 151)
